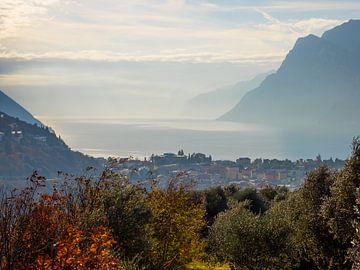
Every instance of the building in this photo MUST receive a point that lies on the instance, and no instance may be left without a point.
(232, 173)
(199, 158)
(17, 135)
(168, 158)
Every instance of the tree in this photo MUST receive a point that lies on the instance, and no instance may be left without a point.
(339, 209)
(175, 227)
(47, 231)
(250, 241)
(354, 252)
(256, 203)
(314, 244)
(270, 195)
(128, 215)
(29, 225)
(216, 202)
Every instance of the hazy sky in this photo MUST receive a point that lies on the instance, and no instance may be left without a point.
(115, 58)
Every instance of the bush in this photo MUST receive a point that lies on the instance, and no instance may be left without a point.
(250, 241)
(175, 227)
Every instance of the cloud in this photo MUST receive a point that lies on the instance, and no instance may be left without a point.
(305, 6)
(154, 30)
(290, 6)
(168, 56)
(315, 25)
(15, 14)
(298, 28)
(114, 57)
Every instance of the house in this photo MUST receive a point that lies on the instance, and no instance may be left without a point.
(232, 173)
(282, 174)
(17, 135)
(270, 175)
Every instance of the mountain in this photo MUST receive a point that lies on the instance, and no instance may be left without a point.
(211, 104)
(12, 108)
(318, 84)
(26, 147)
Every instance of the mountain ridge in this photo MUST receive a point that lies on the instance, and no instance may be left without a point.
(26, 147)
(315, 83)
(14, 109)
(211, 104)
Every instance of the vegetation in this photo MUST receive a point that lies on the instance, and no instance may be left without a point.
(24, 147)
(105, 222)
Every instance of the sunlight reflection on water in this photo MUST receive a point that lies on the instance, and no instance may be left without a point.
(223, 140)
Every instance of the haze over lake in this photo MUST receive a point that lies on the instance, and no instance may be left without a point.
(223, 140)
(116, 78)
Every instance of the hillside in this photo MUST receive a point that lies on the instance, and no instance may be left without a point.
(212, 104)
(12, 108)
(25, 147)
(318, 84)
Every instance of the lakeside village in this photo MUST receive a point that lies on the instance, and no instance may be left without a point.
(197, 168)
(205, 172)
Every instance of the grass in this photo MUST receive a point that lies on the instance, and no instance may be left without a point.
(205, 266)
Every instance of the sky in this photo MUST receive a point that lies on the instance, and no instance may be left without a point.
(145, 58)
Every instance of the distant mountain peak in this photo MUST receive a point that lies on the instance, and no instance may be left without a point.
(346, 36)
(318, 81)
(305, 43)
(211, 104)
(310, 36)
(351, 26)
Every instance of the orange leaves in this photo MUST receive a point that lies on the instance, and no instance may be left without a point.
(53, 231)
(75, 251)
(69, 228)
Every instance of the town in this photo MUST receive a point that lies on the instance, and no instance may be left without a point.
(204, 172)
(197, 169)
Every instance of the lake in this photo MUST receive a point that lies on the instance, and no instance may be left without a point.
(223, 140)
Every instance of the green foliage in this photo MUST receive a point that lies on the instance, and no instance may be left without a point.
(354, 252)
(273, 194)
(19, 155)
(256, 202)
(128, 215)
(316, 227)
(250, 241)
(216, 202)
(206, 266)
(339, 209)
(315, 243)
(323, 214)
(176, 225)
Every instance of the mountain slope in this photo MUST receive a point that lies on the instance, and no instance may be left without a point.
(211, 104)
(12, 108)
(25, 147)
(318, 83)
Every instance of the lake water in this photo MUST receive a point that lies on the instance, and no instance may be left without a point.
(223, 140)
